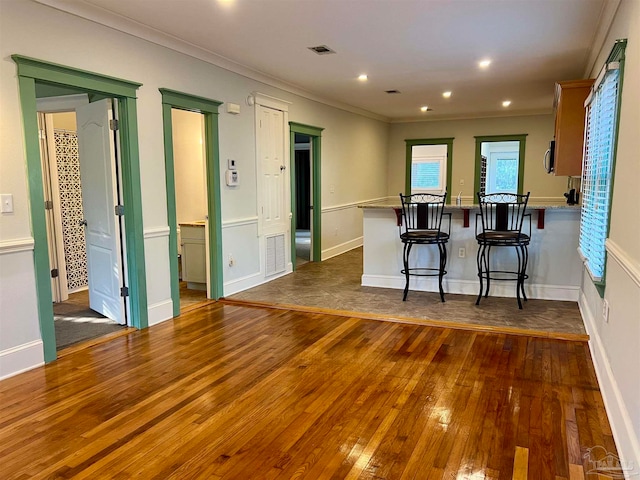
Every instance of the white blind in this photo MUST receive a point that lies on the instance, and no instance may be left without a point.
(597, 171)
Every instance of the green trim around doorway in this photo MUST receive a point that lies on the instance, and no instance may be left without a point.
(316, 154)
(209, 108)
(410, 142)
(30, 72)
(521, 137)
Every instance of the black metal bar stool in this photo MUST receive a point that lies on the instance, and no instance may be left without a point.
(421, 225)
(501, 219)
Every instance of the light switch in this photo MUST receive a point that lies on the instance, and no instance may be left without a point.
(6, 203)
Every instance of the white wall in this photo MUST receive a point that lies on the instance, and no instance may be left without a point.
(538, 127)
(354, 149)
(615, 345)
(189, 169)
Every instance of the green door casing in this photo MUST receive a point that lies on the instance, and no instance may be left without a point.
(208, 108)
(316, 137)
(32, 72)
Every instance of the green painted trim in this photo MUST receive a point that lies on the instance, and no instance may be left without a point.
(617, 55)
(132, 196)
(411, 142)
(186, 101)
(208, 108)
(316, 152)
(304, 129)
(216, 287)
(292, 189)
(167, 126)
(73, 77)
(521, 138)
(30, 73)
(38, 221)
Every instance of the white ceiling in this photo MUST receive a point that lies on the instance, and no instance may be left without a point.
(420, 47)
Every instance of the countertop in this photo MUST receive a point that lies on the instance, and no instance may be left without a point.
(533, 206)
(199, 223)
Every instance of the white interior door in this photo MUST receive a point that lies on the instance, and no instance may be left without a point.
(274, 211)
(102, 229)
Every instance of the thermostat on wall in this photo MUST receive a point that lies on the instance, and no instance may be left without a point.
(232, 178)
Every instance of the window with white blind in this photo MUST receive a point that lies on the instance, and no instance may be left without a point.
(598, 162)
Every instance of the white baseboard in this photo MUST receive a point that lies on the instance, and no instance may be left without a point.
(160, 312)
(21, 358)
(244, 283)
(342, 248)
(621, 425)
(468, 287)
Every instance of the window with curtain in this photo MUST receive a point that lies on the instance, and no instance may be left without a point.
(598, 162)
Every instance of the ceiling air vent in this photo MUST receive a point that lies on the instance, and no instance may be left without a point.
(392, 92)
(322, 50)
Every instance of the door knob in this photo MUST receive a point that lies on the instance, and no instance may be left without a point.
(283, 167)
(82, 223)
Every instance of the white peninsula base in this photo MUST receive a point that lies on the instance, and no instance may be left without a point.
(554, 267)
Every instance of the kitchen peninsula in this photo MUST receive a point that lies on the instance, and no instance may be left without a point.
(554, 267)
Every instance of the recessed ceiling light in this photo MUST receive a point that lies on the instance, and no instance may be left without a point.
(506, 103)
(446, 94)
(363, 77)
(484, 63)
(424, 108)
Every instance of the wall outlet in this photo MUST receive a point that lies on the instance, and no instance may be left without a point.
(462, 181)
(232, 262)
(605, 311)
(462, 252)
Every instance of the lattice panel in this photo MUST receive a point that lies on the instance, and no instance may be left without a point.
(68, 163)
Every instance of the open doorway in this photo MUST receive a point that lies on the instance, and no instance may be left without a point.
(202, 141)
(81, 184)
(39, 79)
(303, 195)
(191, 205)
(305, 144)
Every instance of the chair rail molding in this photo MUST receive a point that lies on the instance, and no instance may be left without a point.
(156, 232)
(630, 267)
(16, 245)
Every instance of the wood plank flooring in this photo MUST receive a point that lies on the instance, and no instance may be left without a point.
(230, 392)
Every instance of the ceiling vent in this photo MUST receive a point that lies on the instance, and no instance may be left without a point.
(322, 50)
(392, 92)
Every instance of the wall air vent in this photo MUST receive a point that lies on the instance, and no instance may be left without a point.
(322, 50)
(392, 92)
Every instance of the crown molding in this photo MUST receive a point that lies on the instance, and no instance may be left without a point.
(607, 14)
(131, 27)
(472, 116)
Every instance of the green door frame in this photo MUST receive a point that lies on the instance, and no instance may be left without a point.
(410, 143)
(32, 71)
(316, 149)
(208, 108)
(521, 138)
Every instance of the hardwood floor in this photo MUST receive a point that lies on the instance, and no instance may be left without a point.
(247, 393)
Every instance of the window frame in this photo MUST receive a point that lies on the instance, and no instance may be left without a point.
(521, 138)
(411, 142)
(617, 54)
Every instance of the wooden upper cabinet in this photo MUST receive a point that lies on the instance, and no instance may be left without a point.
(569, 132)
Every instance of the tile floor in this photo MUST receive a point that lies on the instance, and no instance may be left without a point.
(335, 284)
